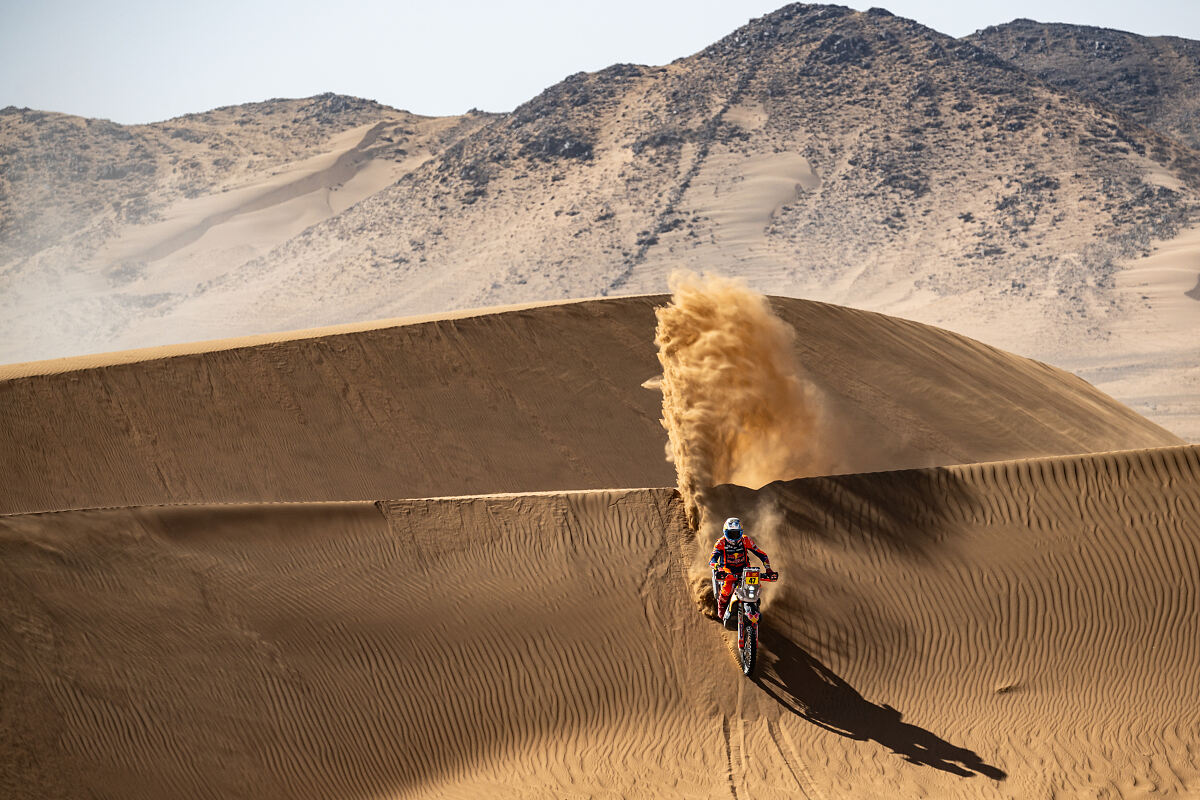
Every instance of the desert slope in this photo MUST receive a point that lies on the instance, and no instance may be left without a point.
(537, 399)
(954, 632)
(102, 223)
(358, 650)
(1041, 613)
(265, 606)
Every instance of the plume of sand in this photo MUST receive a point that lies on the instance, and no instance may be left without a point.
(736, 406)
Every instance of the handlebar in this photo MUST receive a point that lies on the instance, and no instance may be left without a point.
(767, 576)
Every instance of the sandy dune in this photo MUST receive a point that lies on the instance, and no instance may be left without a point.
(220, 578)
(1040, 613)
(960, 632)
(191, 220)
(544, 398)
(302, 640)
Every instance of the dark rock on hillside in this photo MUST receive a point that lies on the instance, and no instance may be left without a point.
(1154, 80)
(558, 143)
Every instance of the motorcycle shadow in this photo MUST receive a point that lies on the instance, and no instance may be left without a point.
(806, 687)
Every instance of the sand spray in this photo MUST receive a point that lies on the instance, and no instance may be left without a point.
(736, 405)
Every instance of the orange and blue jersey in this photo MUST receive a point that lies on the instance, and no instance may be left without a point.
(733, 556)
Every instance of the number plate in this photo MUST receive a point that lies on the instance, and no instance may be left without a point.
(751, 580)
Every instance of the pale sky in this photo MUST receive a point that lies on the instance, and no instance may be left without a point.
(146, 60)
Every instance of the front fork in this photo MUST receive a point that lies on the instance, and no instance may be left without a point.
(748, 615)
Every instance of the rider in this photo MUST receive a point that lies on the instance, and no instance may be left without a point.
(729, 557)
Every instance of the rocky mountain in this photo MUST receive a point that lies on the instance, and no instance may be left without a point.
(1152, 79)
(855, 157)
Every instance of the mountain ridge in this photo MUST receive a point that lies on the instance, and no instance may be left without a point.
(560, 126)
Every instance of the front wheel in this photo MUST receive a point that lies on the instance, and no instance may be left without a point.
(749, 651)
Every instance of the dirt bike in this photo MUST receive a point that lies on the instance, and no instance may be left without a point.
(747, 594)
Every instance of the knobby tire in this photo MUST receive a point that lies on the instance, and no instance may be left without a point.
(749, 651)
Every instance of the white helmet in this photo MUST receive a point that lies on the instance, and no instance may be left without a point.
(733, 529)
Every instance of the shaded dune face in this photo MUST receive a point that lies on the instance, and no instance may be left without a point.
(539, 399)
(1009, 629)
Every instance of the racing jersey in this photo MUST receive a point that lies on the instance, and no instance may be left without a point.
(733, 555)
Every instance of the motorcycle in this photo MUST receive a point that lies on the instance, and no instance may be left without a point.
(747, 594)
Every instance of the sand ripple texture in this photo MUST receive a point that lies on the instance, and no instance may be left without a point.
(1016, 629)
(509, 646)
(535, 399)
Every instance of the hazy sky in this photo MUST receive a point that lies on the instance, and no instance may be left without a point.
(147, 60)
